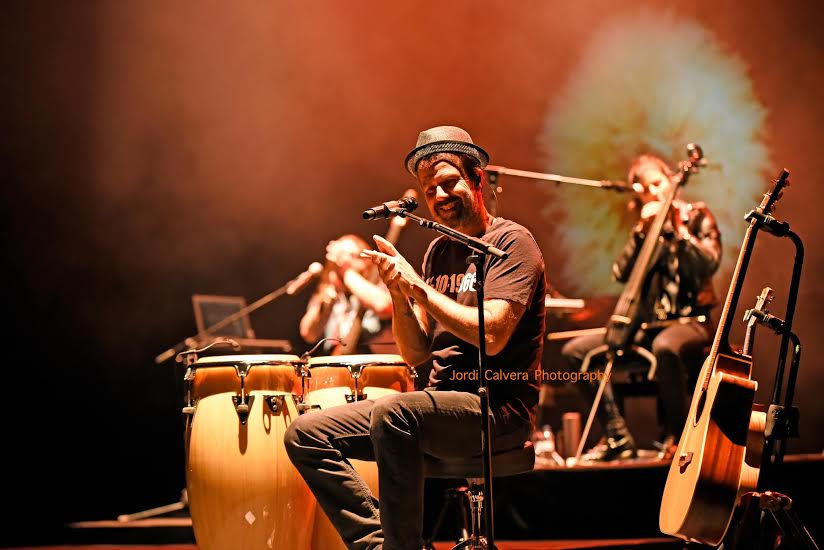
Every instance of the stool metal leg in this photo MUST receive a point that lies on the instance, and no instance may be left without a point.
(476, 540)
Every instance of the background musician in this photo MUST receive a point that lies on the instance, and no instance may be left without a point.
(350, 303)
(679, 286)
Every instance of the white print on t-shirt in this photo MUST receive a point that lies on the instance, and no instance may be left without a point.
(452, 284)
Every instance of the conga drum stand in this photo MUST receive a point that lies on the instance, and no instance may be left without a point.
(181, 504)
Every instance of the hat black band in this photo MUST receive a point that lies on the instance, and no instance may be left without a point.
(445, 147)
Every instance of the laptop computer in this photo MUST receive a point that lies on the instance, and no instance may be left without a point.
(210, 309)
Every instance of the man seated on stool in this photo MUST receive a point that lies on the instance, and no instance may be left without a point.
(680, 286)
(435, 324)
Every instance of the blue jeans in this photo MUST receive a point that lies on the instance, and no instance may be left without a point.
(396, 431)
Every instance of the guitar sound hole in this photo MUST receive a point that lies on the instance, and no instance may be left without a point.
(699, 408)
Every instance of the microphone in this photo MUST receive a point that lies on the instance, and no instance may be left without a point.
(407, 204)
(302, 281)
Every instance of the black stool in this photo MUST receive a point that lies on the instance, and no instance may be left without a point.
(505, 463)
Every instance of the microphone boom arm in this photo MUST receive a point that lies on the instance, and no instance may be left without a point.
(604, 184)
(475, 244)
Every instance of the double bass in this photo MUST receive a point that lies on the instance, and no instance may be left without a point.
(632, 309)
(708, 473)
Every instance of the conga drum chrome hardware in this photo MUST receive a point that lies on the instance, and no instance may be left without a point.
(189, 408)
(243, 490)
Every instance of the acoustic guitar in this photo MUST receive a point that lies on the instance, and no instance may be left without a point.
(708, 473)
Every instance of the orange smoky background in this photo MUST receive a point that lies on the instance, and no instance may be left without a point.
(153, 150)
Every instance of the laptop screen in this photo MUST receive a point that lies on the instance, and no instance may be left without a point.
(210, 309)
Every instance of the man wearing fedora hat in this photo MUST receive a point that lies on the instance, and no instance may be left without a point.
(435, 325)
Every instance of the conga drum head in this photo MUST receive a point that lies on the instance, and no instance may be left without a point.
(221, 373)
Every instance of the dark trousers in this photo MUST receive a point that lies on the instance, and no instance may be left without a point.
(670, 346)
(396, 431)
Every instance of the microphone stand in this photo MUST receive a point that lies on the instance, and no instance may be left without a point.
(480, 250)
(493, 172)
(226, 321)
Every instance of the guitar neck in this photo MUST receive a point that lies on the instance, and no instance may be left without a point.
(721, 343)
(643, 262)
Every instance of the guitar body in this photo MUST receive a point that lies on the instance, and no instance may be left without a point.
(705, 476)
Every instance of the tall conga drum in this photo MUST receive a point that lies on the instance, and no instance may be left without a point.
(342, 379)
(243, 491)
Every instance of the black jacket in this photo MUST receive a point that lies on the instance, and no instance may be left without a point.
(687, 263)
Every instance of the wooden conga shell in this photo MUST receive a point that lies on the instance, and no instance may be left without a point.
(243, 491)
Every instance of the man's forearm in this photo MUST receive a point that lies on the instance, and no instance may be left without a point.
(411, 337)
(462, 321)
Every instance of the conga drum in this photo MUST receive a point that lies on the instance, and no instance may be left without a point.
(243, 491)
(341, 379)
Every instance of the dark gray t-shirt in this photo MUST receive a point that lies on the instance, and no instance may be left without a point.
(519, 278)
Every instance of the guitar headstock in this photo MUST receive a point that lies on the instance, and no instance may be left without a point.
(772, 196)
(762, 302)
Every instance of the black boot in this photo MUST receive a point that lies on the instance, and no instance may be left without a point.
(618, 443)
(619, 446)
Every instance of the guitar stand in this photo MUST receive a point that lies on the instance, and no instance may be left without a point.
(753, 532)
(782, 424)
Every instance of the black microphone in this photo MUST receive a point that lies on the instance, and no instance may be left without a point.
(407, 204)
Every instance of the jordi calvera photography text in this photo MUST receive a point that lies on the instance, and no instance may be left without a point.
(539, 375)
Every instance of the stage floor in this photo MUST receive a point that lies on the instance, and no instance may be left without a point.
(646, 544)
(608, 506)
